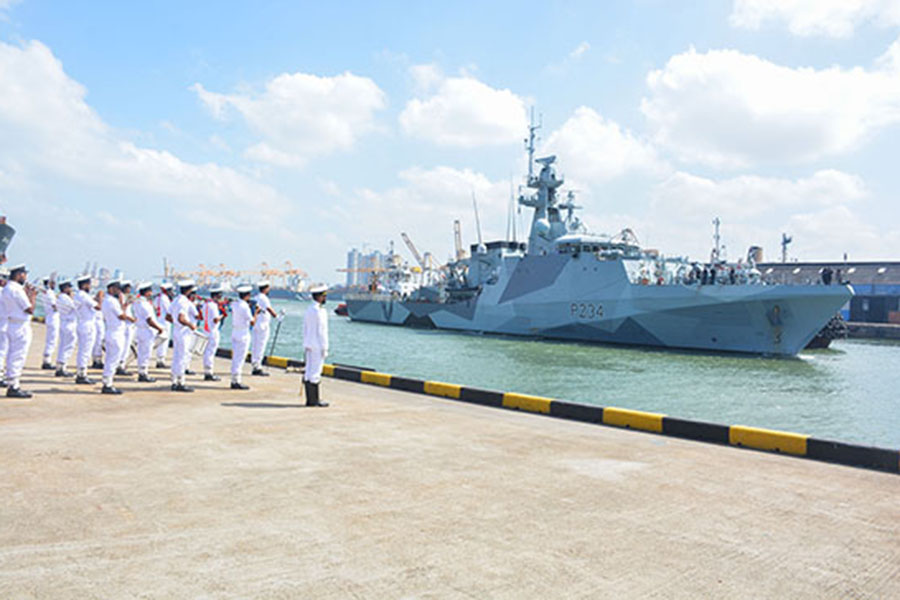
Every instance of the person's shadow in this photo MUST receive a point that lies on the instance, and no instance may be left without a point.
(260, 405)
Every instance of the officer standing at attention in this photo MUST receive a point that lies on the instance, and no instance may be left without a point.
(147, 330)
(4, 344)
(242, 319)
(264, 314)
(51, 320)
(115, 319)
(315, 344)
(19, 307)
(86, 307)
(130, 326)
(184, 318)
(212, 319)
(99, 334)
(68, 323)
(162, 303)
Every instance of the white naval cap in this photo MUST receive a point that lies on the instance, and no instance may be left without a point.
(217, 289)
(263, 283)
(65, 283)
(15, 268)
(113, 282)
(187, 283)
(82, 278)
(4, 272)
(145, 285)
(243, 289)
(125, 283)
(318, 289)
(46, 279)
(165, 286)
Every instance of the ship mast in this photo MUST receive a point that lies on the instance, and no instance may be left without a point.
(529, 145)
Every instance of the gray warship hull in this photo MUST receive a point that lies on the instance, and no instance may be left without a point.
(587, 300)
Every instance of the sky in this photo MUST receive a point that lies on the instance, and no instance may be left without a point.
(239, 133)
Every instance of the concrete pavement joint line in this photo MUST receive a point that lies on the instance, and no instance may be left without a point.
(741, 436)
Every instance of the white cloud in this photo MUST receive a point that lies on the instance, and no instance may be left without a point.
(579, 50)
(730, 109)
(47, 130)
(821, 212)
(7, 4)
(300, 116)
(597, 149)
(833, 18)
(462, 111)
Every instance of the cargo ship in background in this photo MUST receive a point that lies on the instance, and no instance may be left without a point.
(570, 284)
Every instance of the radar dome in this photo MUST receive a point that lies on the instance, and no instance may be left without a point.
(542, 227)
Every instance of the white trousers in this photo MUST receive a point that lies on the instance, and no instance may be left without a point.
(212, 344)
(239, 343)
(315, 359)
(260, 337)
(115, 346)
(18, 334)
(52, 322)
(67, 333)
(4, 344)
(145, 339)
(99, 336)
(182, 341)
(86, 341)
(163, 345)
(130, 332)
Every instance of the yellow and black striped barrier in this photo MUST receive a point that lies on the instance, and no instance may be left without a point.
(783, 442)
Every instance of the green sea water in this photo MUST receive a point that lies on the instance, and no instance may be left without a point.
(849, 392)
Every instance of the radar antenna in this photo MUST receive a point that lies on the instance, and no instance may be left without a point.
(529, 143)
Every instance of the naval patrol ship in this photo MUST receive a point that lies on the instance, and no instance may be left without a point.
(566, 283)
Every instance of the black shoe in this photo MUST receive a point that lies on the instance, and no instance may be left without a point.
(161, 365)
(97, 364)
(145, 378)
(122, 371)
(259, 373)
(84, 380)
(312, 394)
(211, 377)
(17, 393)
(239, 386)
(108, 389)
(180, 387)
(47, 366)
(62, 373)
(189, 372)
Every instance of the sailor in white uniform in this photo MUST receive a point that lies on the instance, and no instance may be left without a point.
(68, 325)
(19, 307)
(99, 335)
(148, 328)
(184, 321)
(315, 344)
(161, 303)
(51, 320)
(86, 309)
(241, 321)
(264, 314)
(212, 322)
(130, 326)
(4, 343)
(115, 320)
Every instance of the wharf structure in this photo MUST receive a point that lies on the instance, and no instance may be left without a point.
(395, 494)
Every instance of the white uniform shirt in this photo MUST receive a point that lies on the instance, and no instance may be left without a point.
(143, 310)
(315, 327)
(49, 299)
(263, 302)
(210, 314)
(85, 306)
(182, 305)
(162, 305)
(66, 307)
(112, 310)
(15, 302)
(129, 310)
(241, 317)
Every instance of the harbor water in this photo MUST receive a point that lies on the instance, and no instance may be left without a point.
(848, 392)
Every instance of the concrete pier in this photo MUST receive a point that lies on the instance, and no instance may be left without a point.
(388, 494)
